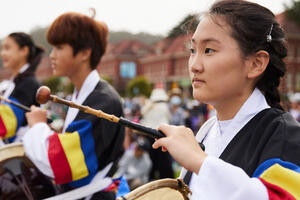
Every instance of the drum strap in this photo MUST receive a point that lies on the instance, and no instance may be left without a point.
(188, 175)
(14, 168)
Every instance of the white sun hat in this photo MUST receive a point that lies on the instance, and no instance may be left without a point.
(295, 97)
(158, 94)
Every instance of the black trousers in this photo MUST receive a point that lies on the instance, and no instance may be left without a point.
(96, 196)
(104, 196)
(161, 164)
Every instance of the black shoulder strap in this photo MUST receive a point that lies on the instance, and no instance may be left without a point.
(188, 175)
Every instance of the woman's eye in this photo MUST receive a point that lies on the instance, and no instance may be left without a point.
(209, 50)
(192, 50)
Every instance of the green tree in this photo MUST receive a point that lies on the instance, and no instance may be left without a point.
(293, 11)
(53, 83)
(107, 79)
(115, 37)
(38, 34)
(59, 84)
(189, 23)
(139, 86)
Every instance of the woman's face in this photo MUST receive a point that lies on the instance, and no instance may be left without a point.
(12, 55)
(216, 67)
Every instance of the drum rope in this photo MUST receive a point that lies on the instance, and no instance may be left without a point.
(24, 187)
(22, 184)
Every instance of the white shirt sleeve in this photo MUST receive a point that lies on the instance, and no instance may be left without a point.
(220, 180)
(36, 142)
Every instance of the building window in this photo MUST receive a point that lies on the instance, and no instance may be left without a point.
(128, 69)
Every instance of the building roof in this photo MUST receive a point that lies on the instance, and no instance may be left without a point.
(290, 27)
(178, 44)
(128, 47)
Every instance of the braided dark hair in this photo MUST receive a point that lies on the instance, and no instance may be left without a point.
(251, 24)
(35, 53)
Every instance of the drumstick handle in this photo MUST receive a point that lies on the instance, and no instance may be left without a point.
(145, 130)
(66, 102)
(86, 109)
(15, 104)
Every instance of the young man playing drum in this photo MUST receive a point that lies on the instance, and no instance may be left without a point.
(89, 146)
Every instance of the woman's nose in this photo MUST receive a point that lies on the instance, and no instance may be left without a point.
(196, 65)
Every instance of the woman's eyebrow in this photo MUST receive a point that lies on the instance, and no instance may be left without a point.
(206, 40)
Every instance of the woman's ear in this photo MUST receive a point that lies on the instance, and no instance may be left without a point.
(258, 64)
(25, 51)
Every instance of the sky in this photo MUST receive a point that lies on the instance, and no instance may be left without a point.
(151, 16)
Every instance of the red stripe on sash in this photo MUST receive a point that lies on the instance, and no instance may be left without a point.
(3, 130)
(58, 161)
(275, 192)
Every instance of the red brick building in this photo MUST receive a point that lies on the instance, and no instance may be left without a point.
(166, 62)
(291, 83)
(121, 62)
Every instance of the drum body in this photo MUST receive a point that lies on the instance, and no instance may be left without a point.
(19, 178)
(164, 189)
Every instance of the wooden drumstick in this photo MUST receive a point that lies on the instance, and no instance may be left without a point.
(15, 104)
(23, 107)
(44, 94)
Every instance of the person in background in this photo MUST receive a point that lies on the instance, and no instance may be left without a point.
(136, 164)
(88, 149)
(154, 113)
(295, 106)
(252, 146)
(178, 115)
(22, 57)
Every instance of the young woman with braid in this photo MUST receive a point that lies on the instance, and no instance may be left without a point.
(252, 147)
(21, 56)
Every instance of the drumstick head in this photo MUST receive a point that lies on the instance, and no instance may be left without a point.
(43, 95)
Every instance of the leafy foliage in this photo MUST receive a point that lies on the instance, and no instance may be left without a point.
(38, 35)
(107, 79)
(189, 23)
(53, 83)
(146, 38)
(59, 84)
(293, 12)
(139, 86)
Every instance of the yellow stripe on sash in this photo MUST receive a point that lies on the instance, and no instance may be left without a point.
(9, 119)
(287, 179)
(74, 154)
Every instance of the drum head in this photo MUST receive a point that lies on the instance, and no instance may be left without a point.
(12, 151)
(165, 189)
(19, 178)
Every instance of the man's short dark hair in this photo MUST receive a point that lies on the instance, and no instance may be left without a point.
(80, 32)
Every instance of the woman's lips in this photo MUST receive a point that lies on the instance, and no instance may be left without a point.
(197, 82)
